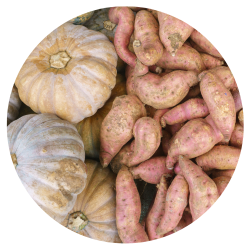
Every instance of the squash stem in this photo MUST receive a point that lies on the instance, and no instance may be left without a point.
(77, 221)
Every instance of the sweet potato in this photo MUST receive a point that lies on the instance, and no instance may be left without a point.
(221, 183)
(192, 93)
(225, 75)
(220, 103)
(124, 17)
(204, 44)
(151, 170)
(216, 173)
(220, 157)
(147, 45)
(157, 211)
(165, 141)
(184, 222)
(237, 100)
(117, 126)
(191, 109)
(128, 209)
(167, 91)
(195, 46)
(211, 62)
(129, 73)
(241, 118)
(186, 58)
(176, 201)
(173, 32)
(237, 136)
(195, 138)
(158, 114)
(154, 12)
(175, 128)
(147, 133)
(203, 190)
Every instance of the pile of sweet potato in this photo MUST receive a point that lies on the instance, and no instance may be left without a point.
(180, 126)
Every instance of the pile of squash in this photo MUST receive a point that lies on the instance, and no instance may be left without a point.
(61, 95)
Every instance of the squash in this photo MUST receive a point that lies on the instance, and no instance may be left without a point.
(89, 128)
(14, 105)
(82, 19)
(70, 73)
(48, 155)
(94, 213)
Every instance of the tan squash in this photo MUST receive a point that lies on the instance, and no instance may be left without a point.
(48, 155)
(14, 105)
(89, 128)
(70, 73)
(94, 213)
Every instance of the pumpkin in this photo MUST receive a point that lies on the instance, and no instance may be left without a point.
(14, 105)
(48, 155)
(80, 20)
(94, 213)
(89, 128)
(70, 73)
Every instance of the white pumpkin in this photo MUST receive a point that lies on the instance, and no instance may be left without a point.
(70, 73)
(48, 154)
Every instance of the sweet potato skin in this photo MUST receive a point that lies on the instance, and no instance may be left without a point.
(117, 126)
(173, 32)
(241, 118)
(147, 133)
(157, 211)
(219, 157)
(237, 136)
(203, 190)
(221, 183)
(186, 58)
(167, 91)
(124, 17)
(147, 45)
(184, 222)
(128, 209)
(151, 170)
(191, 109)
(165, 141)
(237, 100)
(220, 103)
(129, 73)
(176, 201)
(216, 173)
(195, 138)
(204, 44)
(211, 62)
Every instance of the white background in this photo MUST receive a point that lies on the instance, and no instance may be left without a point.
(24, 24)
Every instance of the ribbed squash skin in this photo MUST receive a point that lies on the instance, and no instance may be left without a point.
(48, 155)
(98, 203)
(70, 73)
(81, 19)
(14, 105)
(89, 128)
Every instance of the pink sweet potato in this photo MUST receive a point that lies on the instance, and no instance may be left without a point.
(211, 62)
(191, 109)
(157, 211)
(220, 103)
(203, 190)
(237, 100)
(221, 183)
(237, 136)
(147, 133)
(186, 58)
(195, 46)
(204, 44)
(147, 45)
(241, 118)
(129, 73)
(117, 126)
(167, 91)
(195, 138)
(216, 173)
(175, 128)
(151, 170)
(225, 75)
(220, 157)
(154, 12)
(184, 222)
(176, 201)
(124, 17)
(173, 32)
(165, 141)
(128, 209)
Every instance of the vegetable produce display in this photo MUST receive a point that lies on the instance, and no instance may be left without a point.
(128, 157)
